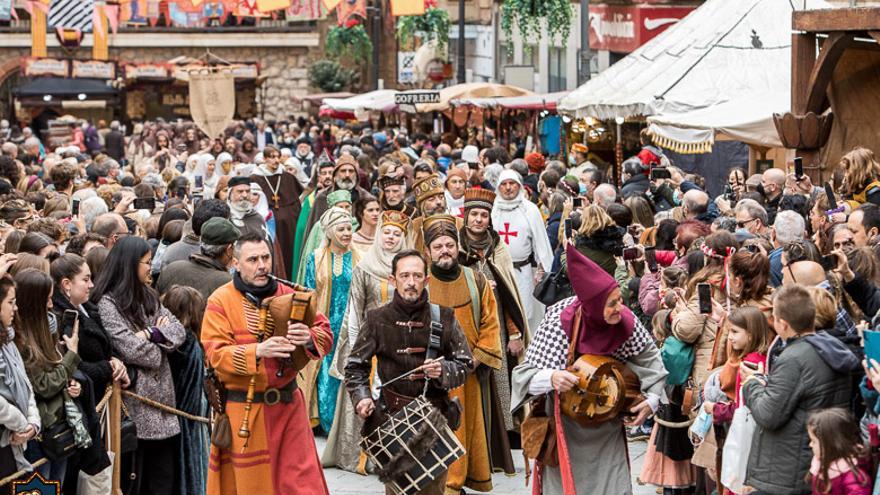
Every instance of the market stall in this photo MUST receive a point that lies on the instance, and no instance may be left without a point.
(360, 106)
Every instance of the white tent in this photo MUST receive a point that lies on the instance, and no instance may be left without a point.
(381, 100)
(744, 119)
(723, 51)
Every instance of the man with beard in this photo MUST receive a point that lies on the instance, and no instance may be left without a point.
(470, 295)
(241, 210)
(482, 251)
(399, 335)
(431, 201)
(322, 179)
(278, 455)
(393, 195)
(520, 225)
(282, 191)
(303, 158)
(345, 176)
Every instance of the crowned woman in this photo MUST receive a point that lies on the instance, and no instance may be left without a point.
(592, 322)
(369, 290)
(329, 271)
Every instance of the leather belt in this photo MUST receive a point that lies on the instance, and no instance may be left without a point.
(270, 397)
(395, 402)
(528, 261)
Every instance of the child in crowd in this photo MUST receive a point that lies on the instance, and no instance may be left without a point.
(840, 461)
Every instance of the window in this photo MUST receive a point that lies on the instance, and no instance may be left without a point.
(557, 69)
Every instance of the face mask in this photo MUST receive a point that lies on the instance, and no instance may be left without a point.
(571, 160)
(53, 323)
(676, 197)
(582, 188)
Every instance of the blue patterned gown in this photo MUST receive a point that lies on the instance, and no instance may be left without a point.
(328, 386)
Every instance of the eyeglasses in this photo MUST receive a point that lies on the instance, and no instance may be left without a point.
(743, 224)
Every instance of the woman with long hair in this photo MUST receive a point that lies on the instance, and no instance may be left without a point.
(188, 372)
(19, 415)
(369, 290)
(861, 177)
(142, 333)
(367, 212)
(599, 238)
(49, 370)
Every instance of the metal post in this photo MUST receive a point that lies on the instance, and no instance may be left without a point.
(584, 58)
(460, 59)
(376, 27)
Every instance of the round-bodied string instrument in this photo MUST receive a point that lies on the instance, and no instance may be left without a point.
(606, 389)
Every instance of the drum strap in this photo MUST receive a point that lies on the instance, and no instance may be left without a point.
(436, 333)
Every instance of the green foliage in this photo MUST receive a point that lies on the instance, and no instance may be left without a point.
(330, 77)
(433, 25)
(528, 16)
(350, 42)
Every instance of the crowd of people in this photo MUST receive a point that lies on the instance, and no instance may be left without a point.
(477, 276)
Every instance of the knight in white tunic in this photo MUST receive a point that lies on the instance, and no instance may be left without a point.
(520, 225)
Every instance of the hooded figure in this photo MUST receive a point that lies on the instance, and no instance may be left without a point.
(606, 328)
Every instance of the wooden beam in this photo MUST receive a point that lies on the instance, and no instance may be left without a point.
(845, 19)
(875, 35)
(829, 54)
(803, 58)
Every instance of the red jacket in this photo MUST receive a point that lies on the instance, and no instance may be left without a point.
(843, 480)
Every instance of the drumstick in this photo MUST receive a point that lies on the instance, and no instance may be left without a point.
(414, 370)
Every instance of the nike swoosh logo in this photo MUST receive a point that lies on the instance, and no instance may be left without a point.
(652, 24)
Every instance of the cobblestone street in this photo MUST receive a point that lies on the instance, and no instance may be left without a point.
(345, 483)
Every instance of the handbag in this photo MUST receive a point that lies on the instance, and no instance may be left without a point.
(553, 288)
(128, 440)
(57, 441)
(735, 456)
(97, 484)
(538, 434)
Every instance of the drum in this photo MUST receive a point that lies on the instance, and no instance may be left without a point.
(413, 447)
(607, 388)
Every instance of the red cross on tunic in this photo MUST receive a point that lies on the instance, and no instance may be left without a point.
(507, 233)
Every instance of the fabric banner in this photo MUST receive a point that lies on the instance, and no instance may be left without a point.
(306, 10)
(348, 8)
(72, 14)
(212, 101)
(266, 6)
(407, 7)
(184, 18)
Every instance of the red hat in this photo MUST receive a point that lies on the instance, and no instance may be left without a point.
(536, 162)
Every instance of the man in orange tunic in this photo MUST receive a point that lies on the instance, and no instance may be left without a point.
(279, 455)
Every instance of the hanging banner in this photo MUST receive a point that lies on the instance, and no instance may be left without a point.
(212, 101)
(72, 14)
(266, 6)
(349, 8)
(184, 18)
(5, 10)
(407, 7)
(306, 10)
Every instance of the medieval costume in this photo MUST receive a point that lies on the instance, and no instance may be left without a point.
(470, 295)
(369, 290)
(329, 274)
(520, 225)
(455, 206)
(321, 203)
(486, 254)
(397, 334)
(307, 199)
(279, 456)
(246, 218)
(597, 461)
(282, 191)
(336, 199)
(386, 181)
(422, 190)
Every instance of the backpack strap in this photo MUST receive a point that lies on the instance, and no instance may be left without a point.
(575, 332)
(474, 293)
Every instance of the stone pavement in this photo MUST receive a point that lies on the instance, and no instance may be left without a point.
(345, 483)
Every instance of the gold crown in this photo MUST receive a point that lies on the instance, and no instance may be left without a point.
(395, 218)
(426, 187)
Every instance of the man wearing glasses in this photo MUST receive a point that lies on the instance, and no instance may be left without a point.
(751, 217)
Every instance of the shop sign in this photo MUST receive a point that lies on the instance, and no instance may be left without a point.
(625, 28)
(32, 66)
(158, 71)
(175, 99)
(94, 69)
(416, 97)
(249, 71)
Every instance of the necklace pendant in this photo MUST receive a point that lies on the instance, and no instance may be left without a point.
(276, 200)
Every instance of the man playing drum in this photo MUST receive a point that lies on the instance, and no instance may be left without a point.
(398, 334)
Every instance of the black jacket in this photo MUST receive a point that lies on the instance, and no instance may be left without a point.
(865, 294)
(114, 145)
(94, 343)
(637, 185)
